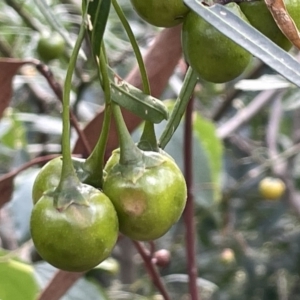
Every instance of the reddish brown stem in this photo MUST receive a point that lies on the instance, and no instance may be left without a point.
(57, 89)
(189, 209)
(151, 269)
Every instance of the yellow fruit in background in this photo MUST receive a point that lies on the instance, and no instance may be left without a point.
(271, 188)
(212, 55)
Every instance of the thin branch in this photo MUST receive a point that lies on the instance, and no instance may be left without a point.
(152, 270)
(59, 284)
(29, 21)
(232, 93)
(189, 209)
(245, 114)
(57, 89)
(272, 133)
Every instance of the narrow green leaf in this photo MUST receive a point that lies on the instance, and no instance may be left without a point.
(145, 106)
(98, 12)
(205, 132)
(249, 38)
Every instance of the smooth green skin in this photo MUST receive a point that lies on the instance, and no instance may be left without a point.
(49, 176)
(148, 208)
(77, 238)
(50, 47)
(161, 13)
(260, 17)
(212, 55)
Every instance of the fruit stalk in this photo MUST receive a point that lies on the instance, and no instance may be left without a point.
(129, 152)
(152, 270)
(189, 209)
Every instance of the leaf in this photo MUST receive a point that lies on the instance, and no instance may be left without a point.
(145, 106)
(284, 21)
(17, 281)
(98, 12)
(249, 38)
(8, 69)
(205, 132)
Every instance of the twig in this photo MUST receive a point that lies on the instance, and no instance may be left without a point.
(57, 89)
(29, 21)
(5, 48)
(189, 209)
(245, 114)
(58, 285)
(272, 133)
(151, 269)
(232, 93)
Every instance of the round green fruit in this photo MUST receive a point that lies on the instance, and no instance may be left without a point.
(271, 188)
(50, 47)
(167, 13)
(149, 198)
(49, 176)
(212, 55)
(78, 237)
(260, 17)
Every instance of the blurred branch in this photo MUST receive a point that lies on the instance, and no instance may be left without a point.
(29, 21)
(188, 214)
(151, 269)
(58, 285)
(232, 93)
(272, 133)
(245, 114)
(5, 48)
(57, 89)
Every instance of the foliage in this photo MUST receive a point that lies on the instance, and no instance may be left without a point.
(241, 132)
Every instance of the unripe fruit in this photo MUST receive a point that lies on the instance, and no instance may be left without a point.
(149, 197)
(260, 17)
(50, 47)
(161, 13)
(212, 55)
(271, 188)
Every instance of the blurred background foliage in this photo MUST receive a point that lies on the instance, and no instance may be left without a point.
(247, 247)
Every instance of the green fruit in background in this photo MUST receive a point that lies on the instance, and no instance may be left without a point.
(211, 54)
(148, 199)
(260, 17)
(50, 46)
(78, 237)
(161, 13)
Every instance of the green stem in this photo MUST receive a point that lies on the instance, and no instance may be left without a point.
(129, 152)
(148, 134)
(135, 47)
(67, 165)
(94, 163)
(179, 108)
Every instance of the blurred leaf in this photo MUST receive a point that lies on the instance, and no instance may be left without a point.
(206, 133)
(249, 38)
(291, 100)
(265, 82)
(12, 132)
(17, 281)
(8, 69)
(178, 287)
